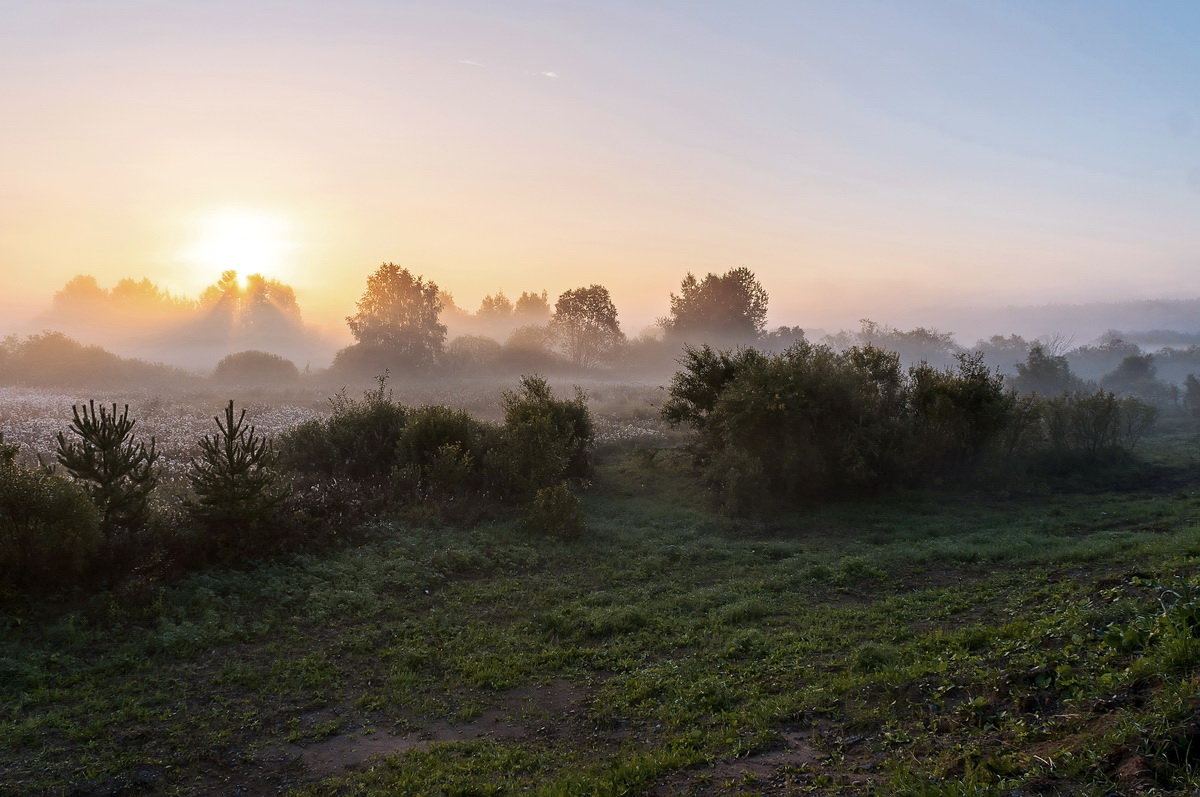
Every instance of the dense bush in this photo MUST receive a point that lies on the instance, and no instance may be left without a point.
(811, 420)
(441, 453)
(255, 368)
(118, 472)
(544, 439)
(49, 528)
(1094, 425)
(444, 458)
(359, 439)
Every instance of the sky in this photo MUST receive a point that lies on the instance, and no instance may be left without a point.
(864, 159)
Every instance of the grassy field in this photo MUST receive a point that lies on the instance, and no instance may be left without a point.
(953, 642)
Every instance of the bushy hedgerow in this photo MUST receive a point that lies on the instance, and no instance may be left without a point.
(1078, 430)
(441, 456)
(49, 528)
(811, 421)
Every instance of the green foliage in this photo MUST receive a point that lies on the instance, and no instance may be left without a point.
(585, 325)
(118, 473)
(957, 414)
(729, 307)
(441, 456)
(440, 453)
(49, 528)
(1044, 374)
(397, 321)
(807, 421)
(359, 440)
(554, 511)
(1096, 424)
(238, 494)
(544, 439)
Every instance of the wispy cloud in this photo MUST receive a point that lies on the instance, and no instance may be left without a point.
(469, 62)
(549, 74)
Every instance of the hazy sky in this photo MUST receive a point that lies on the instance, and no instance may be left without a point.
(863, 158)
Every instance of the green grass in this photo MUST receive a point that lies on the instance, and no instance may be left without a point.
(925, 642)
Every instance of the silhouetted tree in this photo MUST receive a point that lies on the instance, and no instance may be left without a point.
(585, 325)
(1191, 395)
(728, 307)
(397, 317)
(1044, 374)
(497, 306)
(532, 307)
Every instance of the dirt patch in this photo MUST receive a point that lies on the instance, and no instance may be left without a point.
(798, 762)
(518, 713)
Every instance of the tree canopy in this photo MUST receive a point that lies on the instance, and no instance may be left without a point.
(585, 325)
(398, 316)
(732, 306)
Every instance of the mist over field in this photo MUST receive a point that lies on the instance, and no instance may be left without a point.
(462, 397)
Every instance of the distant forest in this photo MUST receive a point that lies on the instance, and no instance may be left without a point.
(250, 330)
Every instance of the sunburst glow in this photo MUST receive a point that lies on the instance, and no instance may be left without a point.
(242, 239)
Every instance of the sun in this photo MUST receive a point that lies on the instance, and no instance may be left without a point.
(246, 240)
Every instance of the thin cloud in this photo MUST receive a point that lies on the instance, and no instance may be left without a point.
(550, 74)
(469, 62)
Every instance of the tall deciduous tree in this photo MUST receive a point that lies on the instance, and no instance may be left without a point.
(732, 306)
(398, 316)
(585, 325)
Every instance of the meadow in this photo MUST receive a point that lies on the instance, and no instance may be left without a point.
(1042, 637)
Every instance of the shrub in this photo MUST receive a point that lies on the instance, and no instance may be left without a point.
(439, 453)
(1095, 424)
(544, 439)
(118, 473)
(805, 421)
(554, 511)
(49, 528)
(238, 495)
(812, 420)
(256, 368)
(359, 440)
(957, 412)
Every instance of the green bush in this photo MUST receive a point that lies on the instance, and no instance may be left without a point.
(1094, 425)
(544, 439)
(554, 512)
(49, 528)
(359, 440)
(443, 460)
(118, 473)
(811, 420)
(439, 458)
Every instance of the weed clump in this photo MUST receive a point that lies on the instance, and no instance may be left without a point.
(554, 512)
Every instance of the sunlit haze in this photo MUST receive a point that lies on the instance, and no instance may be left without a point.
(863, 159)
